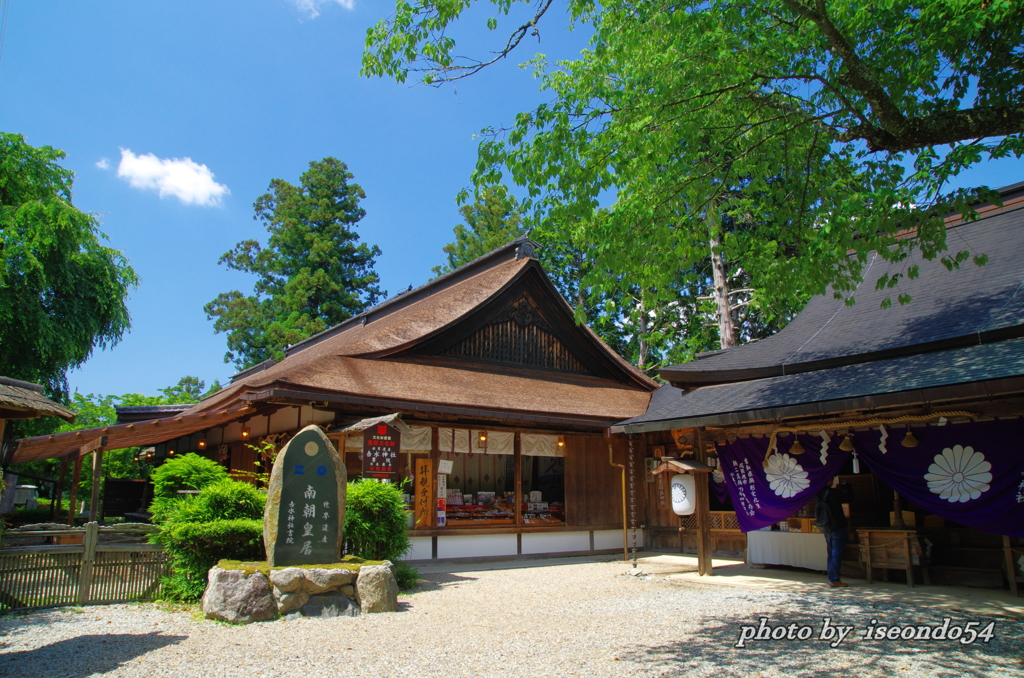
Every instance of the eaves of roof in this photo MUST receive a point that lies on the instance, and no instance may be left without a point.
(965, 373)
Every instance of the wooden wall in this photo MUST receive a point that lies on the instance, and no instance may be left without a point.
(593, 487)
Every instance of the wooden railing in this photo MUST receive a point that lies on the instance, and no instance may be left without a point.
(720, 521)
(87, 565)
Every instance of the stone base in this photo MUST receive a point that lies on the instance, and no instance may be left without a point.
(244, 596)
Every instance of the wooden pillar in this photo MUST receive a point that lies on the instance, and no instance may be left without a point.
(97, 478)
(58, 494)
(703, 499)
(517, 469)
(75, 476)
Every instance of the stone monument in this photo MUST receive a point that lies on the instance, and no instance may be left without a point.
(304, 520)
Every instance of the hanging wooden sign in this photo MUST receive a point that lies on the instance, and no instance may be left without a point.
(424, 483)
(381, 444)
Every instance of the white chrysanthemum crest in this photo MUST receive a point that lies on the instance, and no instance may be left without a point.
(785, 476)
(959, 474)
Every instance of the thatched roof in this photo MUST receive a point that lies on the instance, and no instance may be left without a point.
(25, 400)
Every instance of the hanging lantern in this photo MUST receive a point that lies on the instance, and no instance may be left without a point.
(684, 494)
(202, 444)
(797, 448)
(909, 440)
(561, 441)
(245, 432)
(847, 444)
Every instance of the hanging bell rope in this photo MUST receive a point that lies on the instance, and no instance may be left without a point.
(772, 440)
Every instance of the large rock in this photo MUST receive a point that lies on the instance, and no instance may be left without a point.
(289, 580)
(233, 596)
(320, 580)
(329, 605)
(289, 602)
(376, 588)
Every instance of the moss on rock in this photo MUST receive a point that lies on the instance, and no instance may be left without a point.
(351, 563)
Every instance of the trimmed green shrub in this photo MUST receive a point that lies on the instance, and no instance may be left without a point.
(187, 472)
(196, 547)
(407, 576)
(224, 521)
(375, 522)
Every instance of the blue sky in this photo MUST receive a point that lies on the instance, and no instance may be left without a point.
(248, 91)
(251, 90)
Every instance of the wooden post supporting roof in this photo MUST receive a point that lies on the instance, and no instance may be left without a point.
(703, 511)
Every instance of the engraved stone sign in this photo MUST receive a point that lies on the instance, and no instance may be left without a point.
(304, 520)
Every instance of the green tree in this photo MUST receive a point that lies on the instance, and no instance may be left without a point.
(313, 273)
(767, 139)
(490, 222)
(64, 292)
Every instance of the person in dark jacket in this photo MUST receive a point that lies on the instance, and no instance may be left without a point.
(832, 522)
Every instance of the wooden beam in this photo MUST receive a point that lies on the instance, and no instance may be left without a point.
(517, 469)
(703, 500)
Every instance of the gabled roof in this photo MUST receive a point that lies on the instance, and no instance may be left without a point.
(969, 305)
(400, 351)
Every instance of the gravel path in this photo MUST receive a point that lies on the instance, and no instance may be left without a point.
(585, 619)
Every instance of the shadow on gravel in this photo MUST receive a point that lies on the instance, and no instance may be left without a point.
(442, 580)
(712, 650)
(83, 656)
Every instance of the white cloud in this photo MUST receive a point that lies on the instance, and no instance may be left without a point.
(188, 181)
(312, 7)
(103, 163)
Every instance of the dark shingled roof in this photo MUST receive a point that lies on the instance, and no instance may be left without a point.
(949, 308)
(913, 379)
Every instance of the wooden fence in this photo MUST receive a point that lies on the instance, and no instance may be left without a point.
(87, 565)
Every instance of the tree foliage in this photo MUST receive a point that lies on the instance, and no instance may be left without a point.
(779, 137)
(490, 222)
(312, 274)
(64, 292)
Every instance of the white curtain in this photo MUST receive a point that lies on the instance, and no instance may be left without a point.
(540, 445)
(498, 442)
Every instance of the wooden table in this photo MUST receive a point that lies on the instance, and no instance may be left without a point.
(892, 549)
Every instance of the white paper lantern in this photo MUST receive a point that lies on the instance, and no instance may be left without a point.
(684, 494)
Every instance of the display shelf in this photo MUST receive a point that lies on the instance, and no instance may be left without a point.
(477, 515)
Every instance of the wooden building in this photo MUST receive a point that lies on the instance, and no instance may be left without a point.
(487, 369)
(878, 395)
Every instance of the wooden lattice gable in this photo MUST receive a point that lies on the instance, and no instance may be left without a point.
(527, 325)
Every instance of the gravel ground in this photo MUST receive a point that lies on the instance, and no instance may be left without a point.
(585, 619)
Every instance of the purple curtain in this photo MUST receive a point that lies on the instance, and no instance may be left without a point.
(718, 487)
(762, 496)
(972, 473)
